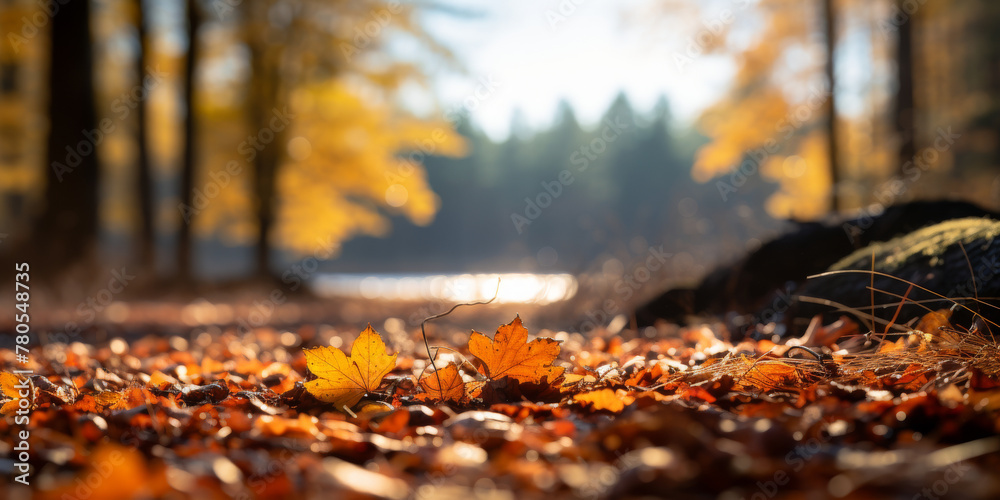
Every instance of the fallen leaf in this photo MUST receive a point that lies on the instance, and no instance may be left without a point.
(603, 399)
(159, 379)
(110, 400)
(113, 472)
(8, 383)
(344, 380)
(373, 409)
(898, 345)
(509, 354)
(697, 392)
(444, 385)
(770, 375)
(934, 321)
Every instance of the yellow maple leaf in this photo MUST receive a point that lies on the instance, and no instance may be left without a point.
(509, 354)
(445, 384)
(344, 380)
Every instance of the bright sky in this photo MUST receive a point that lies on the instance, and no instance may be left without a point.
(586, 56)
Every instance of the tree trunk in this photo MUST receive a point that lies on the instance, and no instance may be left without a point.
(66, 233)
(185, 241)
(830, 29)
(903, 110)
(265, 84)
(144, 178)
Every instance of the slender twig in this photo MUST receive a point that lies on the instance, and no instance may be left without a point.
(819, 356)
(899, 308)
(844, 308)
(438, 348)
(932, 292)
(449, 311)
(872, 287)
(975, 288)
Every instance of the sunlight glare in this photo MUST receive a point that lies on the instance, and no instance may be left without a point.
(520, 288)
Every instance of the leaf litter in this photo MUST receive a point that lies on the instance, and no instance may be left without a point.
(677, 411)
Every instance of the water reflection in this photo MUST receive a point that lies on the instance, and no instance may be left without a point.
(514, 287)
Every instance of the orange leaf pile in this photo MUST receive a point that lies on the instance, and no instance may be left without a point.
(344, 380)
(626, 399)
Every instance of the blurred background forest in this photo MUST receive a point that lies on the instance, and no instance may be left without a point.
(200, 141)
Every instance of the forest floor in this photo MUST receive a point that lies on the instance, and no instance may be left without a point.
(159, 405)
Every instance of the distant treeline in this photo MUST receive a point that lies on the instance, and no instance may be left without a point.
(561, 199)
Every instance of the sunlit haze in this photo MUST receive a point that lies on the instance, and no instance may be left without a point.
(539, 56)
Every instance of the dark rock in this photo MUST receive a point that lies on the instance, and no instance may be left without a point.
(763, 284)
(949, 262)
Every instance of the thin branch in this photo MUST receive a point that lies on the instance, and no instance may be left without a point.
(449, 311)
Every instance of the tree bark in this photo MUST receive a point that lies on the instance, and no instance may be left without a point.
(903, 109)
(265, 85)
(144, 179)
(66, 234)
(185, 240)
(830, 29)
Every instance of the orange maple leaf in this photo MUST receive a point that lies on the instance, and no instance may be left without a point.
(342, 380)
(603, 399)
(769, 375)
(444, 385)
(509, 354)
(111, 400)
(8, 383)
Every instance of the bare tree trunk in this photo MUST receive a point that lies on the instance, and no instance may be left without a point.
(904, 112)
(66, 233)
(833, 152)
(265, 85)
(144, 178)
(185, 241)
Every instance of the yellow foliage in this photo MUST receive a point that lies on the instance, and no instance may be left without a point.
(736, 129)
(765, 110)
(350, 161)
(805, 180)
